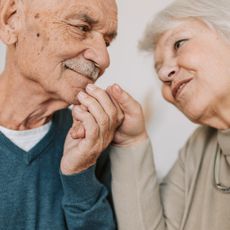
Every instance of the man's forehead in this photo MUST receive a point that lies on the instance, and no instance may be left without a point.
(91, 11)
(96, 9)
(53, 4)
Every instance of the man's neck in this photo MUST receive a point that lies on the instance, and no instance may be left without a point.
(25, 105)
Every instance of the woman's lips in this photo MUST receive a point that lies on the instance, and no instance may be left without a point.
(179, 87)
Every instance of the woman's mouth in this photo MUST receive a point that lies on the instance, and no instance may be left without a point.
(177, 89)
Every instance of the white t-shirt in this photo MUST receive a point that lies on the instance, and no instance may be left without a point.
(26, 139)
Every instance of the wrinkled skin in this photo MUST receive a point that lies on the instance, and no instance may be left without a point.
(193, 63)
(98, 120)
(55, 52)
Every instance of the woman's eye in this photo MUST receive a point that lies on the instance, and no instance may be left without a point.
(179, 43)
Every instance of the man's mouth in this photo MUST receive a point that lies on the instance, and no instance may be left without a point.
(177, 89)
(92, 77)
(87, 70)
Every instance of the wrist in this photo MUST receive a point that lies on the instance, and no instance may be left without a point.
(131, 141)
(68, 169)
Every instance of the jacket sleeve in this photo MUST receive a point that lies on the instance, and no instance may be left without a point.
(140, 202)
(85, 202)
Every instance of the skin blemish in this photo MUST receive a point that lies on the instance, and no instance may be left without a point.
(36, 16)
(38, 35)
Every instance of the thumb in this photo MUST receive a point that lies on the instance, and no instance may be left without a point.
(127, 103)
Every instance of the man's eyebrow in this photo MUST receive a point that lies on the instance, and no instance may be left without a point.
(92, 21)
(86, 18)
(111, 35)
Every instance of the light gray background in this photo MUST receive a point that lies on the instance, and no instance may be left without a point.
(167, 127)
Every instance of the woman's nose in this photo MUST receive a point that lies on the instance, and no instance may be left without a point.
(167, 73)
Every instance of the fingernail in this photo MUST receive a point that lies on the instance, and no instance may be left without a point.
(91, 87)
(81, 95)
(117, 88)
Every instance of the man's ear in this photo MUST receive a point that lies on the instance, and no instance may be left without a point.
(9, 21)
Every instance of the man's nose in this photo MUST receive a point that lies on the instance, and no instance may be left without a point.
(97, 52)
(167, 72)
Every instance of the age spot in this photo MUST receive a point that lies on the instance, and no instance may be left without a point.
(36, 16)
(38, 35)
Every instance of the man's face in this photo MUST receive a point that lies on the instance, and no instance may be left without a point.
(62, 44)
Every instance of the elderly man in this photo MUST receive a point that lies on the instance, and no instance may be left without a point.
(56, 49)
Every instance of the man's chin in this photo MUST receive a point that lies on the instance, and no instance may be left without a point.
(73, 101)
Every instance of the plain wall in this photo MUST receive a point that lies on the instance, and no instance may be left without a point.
(133, 70)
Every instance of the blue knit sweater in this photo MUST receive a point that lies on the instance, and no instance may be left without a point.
(35, 195)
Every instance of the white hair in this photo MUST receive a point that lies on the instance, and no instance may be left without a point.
(213, 12)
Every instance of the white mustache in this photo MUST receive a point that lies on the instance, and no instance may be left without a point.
(83, 67)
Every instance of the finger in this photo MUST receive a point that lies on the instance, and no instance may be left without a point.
(105, 101)
(90, 126)
(120, 114)
(95, 109)
(77, 130)
(127, 103)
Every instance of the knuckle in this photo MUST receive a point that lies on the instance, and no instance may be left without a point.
(104, 121)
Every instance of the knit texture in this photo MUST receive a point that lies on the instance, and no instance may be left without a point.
(35, 195)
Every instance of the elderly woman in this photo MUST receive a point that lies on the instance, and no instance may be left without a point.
(190, 40)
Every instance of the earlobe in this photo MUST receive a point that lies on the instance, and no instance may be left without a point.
(8, 21)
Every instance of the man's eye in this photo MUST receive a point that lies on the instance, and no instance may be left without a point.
(83, 28)
(179, 43)
(107, 43)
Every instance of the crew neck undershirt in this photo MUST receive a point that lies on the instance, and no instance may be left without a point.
(26, 139)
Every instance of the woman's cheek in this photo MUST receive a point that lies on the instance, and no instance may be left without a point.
(167, 93)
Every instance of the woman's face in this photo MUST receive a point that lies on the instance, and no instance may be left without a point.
(193, 62)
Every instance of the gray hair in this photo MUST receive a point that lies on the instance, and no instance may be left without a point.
(213, 12)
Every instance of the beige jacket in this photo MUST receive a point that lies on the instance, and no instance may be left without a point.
(188, 199)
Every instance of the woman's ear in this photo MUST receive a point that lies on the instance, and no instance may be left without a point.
(9, 21)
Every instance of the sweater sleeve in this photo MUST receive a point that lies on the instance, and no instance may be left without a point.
(85, 202)
(138, 202)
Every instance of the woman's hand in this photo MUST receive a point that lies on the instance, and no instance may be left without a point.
(132, 129)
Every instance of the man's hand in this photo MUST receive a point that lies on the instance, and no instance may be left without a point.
(132, 130)
(95, 122)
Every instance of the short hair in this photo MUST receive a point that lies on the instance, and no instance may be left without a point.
(212, 12)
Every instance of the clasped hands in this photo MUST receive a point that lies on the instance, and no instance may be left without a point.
(103, 116)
